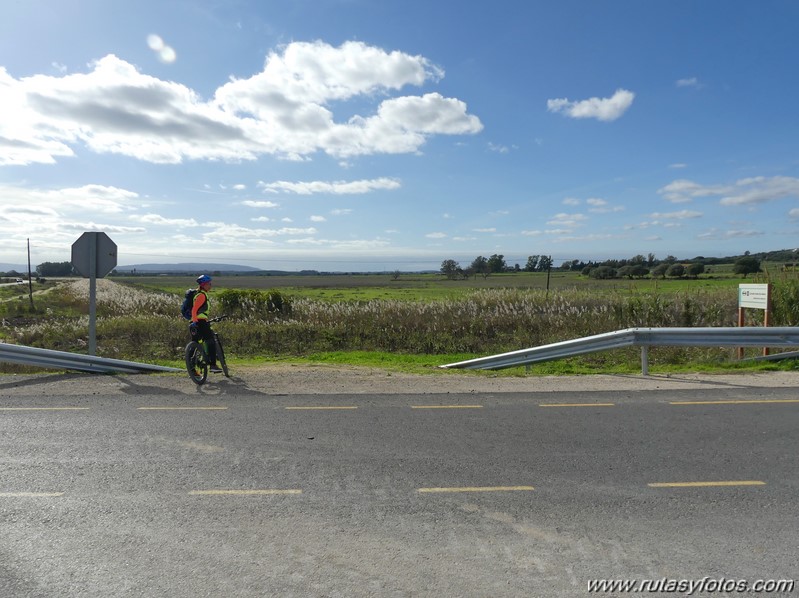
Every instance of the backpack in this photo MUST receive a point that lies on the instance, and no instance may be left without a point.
(188, 302)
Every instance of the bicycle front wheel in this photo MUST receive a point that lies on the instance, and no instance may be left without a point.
(220, 356)
(196, 364)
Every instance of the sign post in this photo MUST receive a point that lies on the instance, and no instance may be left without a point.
(754, 296)
(93, 255)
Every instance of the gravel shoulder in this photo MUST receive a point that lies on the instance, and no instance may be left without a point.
(301, 379)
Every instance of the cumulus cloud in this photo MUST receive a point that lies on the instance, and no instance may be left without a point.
(751, 190)
(567, 220)
(681, 215)
(604, 109)
(284, 110)
(716, 234)
(334, 188)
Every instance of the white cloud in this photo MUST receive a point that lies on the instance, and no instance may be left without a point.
(260, 204)
(604, 109)
(744, 191)
(689, 82)
(681, 215)
(281, 111)
(436, 235)
(567, 220)
(485, 230)
(318, 219)
(161, 221)
(334, 188)
(716, 234)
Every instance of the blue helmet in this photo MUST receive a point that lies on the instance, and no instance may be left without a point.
(203, 279)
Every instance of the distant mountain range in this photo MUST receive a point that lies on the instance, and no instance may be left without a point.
(16, 268)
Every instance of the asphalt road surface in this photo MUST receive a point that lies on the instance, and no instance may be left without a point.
(245, 493)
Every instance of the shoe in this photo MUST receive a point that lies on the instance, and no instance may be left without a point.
(215, 369)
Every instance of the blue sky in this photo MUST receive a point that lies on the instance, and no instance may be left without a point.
(382, 135)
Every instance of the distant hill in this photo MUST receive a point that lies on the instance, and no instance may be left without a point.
(15, 267)
(185, 268)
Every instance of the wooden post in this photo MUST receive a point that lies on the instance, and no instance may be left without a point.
(740, 325)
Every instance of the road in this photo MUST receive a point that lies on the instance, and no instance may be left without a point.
(244, 493)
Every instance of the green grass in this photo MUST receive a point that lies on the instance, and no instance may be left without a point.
(413, 324)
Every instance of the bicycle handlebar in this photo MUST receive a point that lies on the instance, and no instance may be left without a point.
(216, 319)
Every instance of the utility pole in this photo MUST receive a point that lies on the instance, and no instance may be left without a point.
(30, 280)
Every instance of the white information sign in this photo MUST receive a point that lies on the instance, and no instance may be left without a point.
(753, 295)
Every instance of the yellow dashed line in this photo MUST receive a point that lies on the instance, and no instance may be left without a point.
(320, 408)
(446, 406)
(182, 408)
(267, 491)
(577, 405)
(44, 408)
(477, 489)
(706, 484)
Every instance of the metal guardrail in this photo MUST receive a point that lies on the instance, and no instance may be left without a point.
(63, 360)
(785, 336)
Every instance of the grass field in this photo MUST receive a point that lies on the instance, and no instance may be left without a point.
(411, 322)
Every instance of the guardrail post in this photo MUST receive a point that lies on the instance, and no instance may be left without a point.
(644, 360)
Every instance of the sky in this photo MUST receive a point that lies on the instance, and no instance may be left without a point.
(384, 135)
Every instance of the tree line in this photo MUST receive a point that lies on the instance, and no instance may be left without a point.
(637, 266)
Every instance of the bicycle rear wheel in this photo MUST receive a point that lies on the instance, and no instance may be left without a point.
(220, 356)
(196, 364)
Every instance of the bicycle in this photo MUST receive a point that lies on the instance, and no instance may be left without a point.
(197, 357)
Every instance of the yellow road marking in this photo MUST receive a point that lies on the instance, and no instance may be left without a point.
(732, 402)
(182, 408)
(267, 491)
(706, 484)
(318, 408)
(577, 405)
(477, 489)
(446, 406)
(29, 494)
(44, 408)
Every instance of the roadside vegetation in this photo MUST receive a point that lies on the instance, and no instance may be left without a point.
(411, 321)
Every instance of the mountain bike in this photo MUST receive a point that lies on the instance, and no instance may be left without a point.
(197, 356)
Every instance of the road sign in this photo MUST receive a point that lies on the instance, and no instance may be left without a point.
(94, 254)
(756, 296)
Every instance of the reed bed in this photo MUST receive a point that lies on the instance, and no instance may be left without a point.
(142, 325)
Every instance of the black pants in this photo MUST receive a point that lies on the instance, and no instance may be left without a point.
(202, 330)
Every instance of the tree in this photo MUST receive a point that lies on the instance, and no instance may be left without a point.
(480, 266)
(626, 271)
(54, 269)
(532, 263)
(496, 264)
(660, 270)
(696, 269)
(545, 263)
(746, 265)
(603, 272)
(449, 268)
(676, 271)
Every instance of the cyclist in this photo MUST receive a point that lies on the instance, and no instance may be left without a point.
(199, 327)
